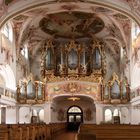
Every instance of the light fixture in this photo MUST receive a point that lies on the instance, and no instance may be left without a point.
(73, 98)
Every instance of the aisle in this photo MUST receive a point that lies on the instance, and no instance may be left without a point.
(66, 136)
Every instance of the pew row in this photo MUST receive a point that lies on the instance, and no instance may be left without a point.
(110, 132)
(31, 131)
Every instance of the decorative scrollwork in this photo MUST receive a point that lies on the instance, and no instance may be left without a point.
(91, 78)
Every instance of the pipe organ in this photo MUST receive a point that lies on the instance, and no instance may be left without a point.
(73, 59)
(115, 90)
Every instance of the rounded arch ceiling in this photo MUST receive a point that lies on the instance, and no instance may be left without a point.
(61, 98)
(15, 8)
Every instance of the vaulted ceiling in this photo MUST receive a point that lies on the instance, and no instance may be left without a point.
(35, 26)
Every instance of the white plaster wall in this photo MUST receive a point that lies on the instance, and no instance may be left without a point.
(24, 115)
(135, 116)
(41, 115)
(54, 113)
(125, 115)
(10, 115)
(47, 113)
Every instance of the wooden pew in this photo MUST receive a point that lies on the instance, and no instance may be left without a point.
(31, 131)
(112, 132)
(4, 132)
(56, 128)
(15, 132)
(85, 136)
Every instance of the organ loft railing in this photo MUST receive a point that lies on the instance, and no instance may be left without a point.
(73, 59)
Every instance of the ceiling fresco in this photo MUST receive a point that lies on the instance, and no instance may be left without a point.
(35, 26)
(75, 24)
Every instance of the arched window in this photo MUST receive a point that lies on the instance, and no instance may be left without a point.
(41, 115)
(116, 112)
(108, 115)
(8, 31)
(34, 112)
(74, 117)
(116, 116)
(24, 52)
(135, 30)
(74, 109)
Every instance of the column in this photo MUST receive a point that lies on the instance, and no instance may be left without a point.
(47, 112)
(99, 113)
(17, 114)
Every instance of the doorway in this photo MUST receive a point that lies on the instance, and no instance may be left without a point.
(74, 118)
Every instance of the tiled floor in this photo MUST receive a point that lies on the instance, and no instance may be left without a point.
(66, 136)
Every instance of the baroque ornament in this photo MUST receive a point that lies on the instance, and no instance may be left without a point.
(91, 78)
(72, 87)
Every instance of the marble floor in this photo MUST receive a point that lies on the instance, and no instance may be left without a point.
(66, 136)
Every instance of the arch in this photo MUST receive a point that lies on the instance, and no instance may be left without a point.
(116, 116)
(12, 12)
(116, 112)
(74, 117)
(34, 112)
(108, 115)
(8, 31)
(74, 109)
(41, 115)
